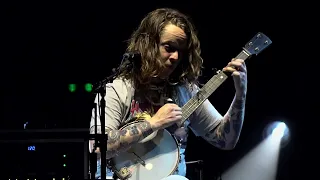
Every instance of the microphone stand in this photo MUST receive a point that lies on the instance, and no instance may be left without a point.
(100, 87)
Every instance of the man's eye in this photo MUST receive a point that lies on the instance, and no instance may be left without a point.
(169, 49)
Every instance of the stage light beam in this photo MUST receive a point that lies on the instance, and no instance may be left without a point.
(262, 161)
(279, 130)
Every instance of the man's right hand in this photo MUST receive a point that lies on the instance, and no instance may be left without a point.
(166, 116)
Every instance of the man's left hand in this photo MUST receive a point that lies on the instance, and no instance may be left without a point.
(239, 72)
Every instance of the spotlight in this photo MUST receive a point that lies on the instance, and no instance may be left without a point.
(279, 132)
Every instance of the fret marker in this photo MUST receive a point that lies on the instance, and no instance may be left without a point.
(149, 166)
(221, 77)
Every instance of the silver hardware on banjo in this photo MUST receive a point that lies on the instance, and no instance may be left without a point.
(157, 156)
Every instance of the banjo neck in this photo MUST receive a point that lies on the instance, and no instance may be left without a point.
(206, 91)
(256, 44)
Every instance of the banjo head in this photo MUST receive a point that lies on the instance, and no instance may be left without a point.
(154, 159)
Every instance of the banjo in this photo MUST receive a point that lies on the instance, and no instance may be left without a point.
(157, 155)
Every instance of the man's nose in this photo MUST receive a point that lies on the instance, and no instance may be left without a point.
(174, 56)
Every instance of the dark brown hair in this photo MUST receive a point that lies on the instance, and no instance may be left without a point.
(145, 40)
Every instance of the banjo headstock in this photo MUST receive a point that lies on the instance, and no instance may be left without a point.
(257, 44)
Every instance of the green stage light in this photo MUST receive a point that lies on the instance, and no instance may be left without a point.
(72, 87)
(88, 87)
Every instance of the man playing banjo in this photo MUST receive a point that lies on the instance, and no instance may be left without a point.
(169, 69)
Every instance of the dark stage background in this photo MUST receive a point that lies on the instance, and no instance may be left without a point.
(49, 45)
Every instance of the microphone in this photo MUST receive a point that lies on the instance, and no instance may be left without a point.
(132, 55)
(129, 59)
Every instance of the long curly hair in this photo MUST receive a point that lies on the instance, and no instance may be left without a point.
(146, 39)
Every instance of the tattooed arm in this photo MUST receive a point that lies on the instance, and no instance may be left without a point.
(226, 134)
(117, 94)
(223, 132)
(122, 140)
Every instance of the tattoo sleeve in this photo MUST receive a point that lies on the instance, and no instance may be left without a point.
(122, 140)
(226, 134)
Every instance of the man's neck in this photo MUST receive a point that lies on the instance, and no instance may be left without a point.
(157, 81)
